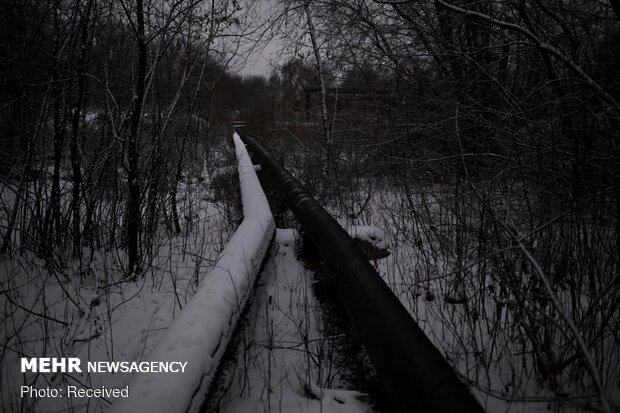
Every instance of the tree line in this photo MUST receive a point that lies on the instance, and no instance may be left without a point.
(105, 106)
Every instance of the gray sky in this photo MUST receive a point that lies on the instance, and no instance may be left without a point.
(258, 62)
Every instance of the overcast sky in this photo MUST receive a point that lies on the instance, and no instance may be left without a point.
(259, 62)
(271, 51)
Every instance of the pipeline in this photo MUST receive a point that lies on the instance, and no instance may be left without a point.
(416, 376)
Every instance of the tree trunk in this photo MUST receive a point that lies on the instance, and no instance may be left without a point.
(52, 214)
(133, 156)
(180, 161)
(327, 140)
(75, 127)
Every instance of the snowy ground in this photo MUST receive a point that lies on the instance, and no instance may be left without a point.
(283, 361)
(119, 322)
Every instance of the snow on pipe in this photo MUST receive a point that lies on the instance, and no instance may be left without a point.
(416, 376)
(201, 332)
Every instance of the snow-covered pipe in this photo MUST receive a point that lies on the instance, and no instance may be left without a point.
(201, 332)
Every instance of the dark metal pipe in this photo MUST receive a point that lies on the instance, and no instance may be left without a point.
(416, 376)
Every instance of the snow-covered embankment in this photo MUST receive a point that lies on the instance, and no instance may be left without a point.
(201, 332)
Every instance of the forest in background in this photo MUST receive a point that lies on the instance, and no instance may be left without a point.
(505, 113)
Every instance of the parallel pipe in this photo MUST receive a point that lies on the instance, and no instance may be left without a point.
(416, 376)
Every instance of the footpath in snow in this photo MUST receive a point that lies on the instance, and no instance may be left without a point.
(283, 361)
